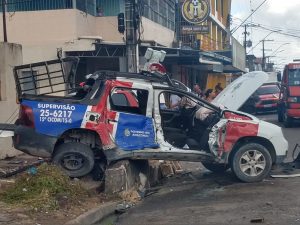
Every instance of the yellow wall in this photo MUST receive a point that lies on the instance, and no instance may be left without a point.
(212, 41)
(214, 79)
(213, 7)
(215, 40)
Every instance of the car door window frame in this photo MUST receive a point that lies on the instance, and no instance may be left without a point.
(126, 109)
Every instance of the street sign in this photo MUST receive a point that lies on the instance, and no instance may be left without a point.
(200, 29)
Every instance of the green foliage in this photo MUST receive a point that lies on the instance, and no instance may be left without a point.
(45, 190)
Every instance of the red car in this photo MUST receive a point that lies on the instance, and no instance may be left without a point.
(264, 99)
(267, 97)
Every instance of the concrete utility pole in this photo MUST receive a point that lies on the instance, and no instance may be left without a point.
(132, 51)
(264, 56)
(4, 21)
(245, 37)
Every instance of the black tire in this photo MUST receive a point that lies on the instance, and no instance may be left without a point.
(98, 172)
(287, 121)
(75, 159)
(254, 170)
(215, 168)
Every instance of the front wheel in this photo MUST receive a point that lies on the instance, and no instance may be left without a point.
(75, 159)
(251, 162)
(215, 168)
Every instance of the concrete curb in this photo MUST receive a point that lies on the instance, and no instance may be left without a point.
(94, 215)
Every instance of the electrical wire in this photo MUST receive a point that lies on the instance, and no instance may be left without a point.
(277, 31)
(236, 28)
(291, 30)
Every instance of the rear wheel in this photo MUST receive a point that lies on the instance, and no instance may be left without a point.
(75, 159)
(251, 162)
(215, 168)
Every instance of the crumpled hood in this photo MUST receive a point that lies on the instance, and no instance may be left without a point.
(237, 93)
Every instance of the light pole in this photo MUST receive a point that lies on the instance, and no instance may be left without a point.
(263, 54)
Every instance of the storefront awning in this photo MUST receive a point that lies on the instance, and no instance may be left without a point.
(210, 61)
(213, 61)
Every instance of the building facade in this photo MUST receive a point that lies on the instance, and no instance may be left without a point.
(89, 29)
(205, 26)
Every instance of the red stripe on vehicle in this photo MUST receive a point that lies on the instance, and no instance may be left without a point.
(237, 130)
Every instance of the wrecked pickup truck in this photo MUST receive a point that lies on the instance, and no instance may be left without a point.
(114, 116)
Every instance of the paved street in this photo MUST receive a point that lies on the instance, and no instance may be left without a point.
(207, 199)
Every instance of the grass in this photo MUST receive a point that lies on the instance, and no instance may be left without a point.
(48, 189)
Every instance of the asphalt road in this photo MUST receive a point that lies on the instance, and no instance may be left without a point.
(201, 197)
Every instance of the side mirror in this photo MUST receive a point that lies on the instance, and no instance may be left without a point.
(279, 77)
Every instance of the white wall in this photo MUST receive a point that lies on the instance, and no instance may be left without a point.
(10, 55)
(158, 33)
(42, 32)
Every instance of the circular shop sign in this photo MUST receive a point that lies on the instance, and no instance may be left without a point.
(195, 11)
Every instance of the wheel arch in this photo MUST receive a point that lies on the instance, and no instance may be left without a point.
(85, 136)
(259, 140)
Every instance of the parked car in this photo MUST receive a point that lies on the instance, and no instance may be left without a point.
(74, 132)
(266, 98)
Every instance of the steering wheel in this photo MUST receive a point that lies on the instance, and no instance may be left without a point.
(187, 115)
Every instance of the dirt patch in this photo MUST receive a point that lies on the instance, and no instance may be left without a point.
(43, 195)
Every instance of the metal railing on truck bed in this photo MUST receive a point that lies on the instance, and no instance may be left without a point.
(55, 77)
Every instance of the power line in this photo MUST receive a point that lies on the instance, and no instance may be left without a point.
(278, 32)
(260, 41)
(235, 29)
(274, 27)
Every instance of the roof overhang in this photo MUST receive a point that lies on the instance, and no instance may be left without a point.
(213, 61)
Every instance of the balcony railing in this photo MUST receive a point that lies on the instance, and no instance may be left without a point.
(159, 11)
(86, 6)
(36, 5)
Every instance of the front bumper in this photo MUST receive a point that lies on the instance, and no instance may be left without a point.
(266, 106)
(27, 140)
(295, 113)
(274, 134)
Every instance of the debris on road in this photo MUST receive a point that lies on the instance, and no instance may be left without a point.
(23, 166)
(285, 175)
(257, 220)
(131, 196)
(170, 168)
(122, 207)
